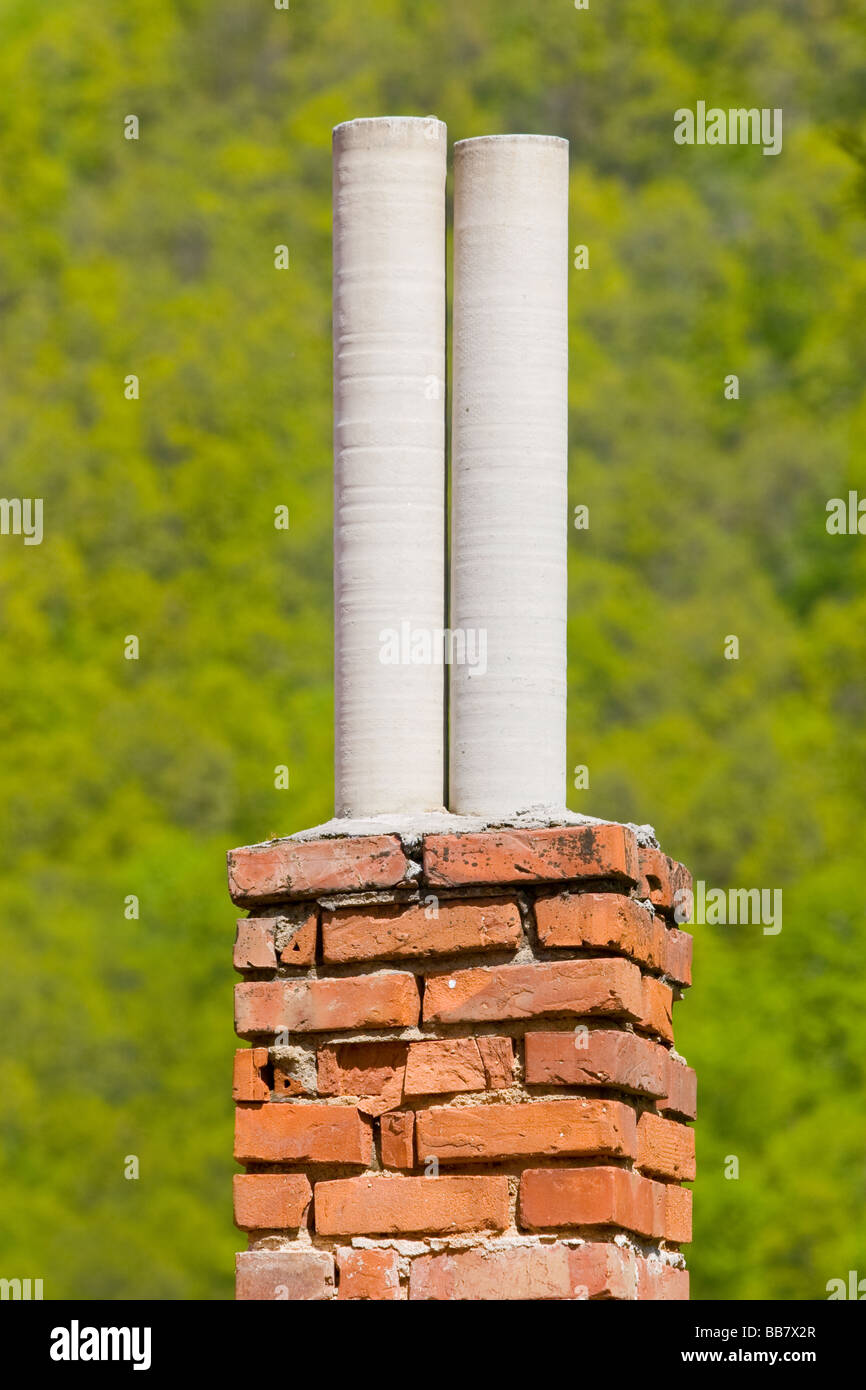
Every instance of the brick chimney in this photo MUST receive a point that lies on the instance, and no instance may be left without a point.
(461, 1080)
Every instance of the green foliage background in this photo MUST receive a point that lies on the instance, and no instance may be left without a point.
(707, 519)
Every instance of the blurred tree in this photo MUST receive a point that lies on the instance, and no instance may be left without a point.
(155, 257)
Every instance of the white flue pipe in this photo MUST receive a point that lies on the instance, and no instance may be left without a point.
(389, 463)
(509, 448)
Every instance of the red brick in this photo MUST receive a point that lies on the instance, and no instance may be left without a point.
(526, 1272)
(470, 1133)
(372, 1071)
(682, 1091)
(284, 1275)
(455, 1065)
(665, 1148)
(296, 934)
(682, 887)
(306, 869)
(374, 1106)
(254, 944)
(610, 1058)
(582, 1197)
(368, 1274)
(657, 1008)
(497, 1054)
(380, 1204)
(297, 1132)
(534, 856)
(270, 1201)
(678, 1213)
(661, 1281)
(396, 931)
(661, 878)
(568, 987)
(601, 921)
(397, 1135)
(388, 999)
(259, 1006)
(248, 1083)
(677, 957)
(444, 1065)
(655, 876)
(611, 922)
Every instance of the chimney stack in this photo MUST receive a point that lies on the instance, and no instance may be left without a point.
(389, 462)
(461, 1083)
(509, 445)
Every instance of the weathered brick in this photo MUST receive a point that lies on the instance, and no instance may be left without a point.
(601, 921)
(526, 1272)
(374, 1106)
(259, 1006)
(682, 887)
(497, 1054)
(552, 1198)
(597, 1057)
(296, 932)
(665, 1148)
(397, 1138)
(656, 1014)
(611, 922)
(292, 1275)
(661, 878)
(655, 876)
(372, 1071)
(469, 1133)
(677, 957)
(678, 1212)
(535, 856)
(270, 1201)
(308, 868)
(254, 944)
(444, 1065)
(393, 931)
(380, 1204)
(608, 986)
(248, 1082)
(368, 1274)
(658, 1281)
(387, 999)
(297, 1132)
(681, 1091)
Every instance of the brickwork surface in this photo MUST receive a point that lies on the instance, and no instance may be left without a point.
(461, 1081)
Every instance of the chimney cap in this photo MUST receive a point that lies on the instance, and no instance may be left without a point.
(516, 139)
(388, 126)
